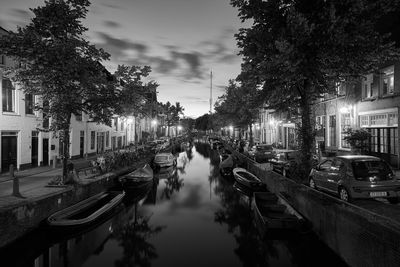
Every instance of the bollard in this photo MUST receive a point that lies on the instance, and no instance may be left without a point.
(16, 192)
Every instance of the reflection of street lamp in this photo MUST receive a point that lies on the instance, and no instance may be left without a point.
(179, 128)
(231, 130)
(154, 124)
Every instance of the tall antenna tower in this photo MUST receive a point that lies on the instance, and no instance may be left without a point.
(211, 92)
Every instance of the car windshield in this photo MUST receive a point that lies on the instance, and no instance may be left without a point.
(365, 169)
(264, 148)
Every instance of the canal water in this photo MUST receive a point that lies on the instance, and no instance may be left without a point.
(189, 216)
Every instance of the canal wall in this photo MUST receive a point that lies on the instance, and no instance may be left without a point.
(360, 237)
(17, 220)
(21, 218)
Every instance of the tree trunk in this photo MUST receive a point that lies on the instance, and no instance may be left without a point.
(306, 134)
(251, 136)
(65, 153)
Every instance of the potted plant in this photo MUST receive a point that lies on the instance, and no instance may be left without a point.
(358, 140)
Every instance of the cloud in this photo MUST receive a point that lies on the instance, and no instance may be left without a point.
(221, 88)
(112, 24)
(119, 47)
(173, 62)
(193, 60)
(111, 6)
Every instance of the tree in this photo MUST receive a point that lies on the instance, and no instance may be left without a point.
(136, 96)
(298, 50)
(57, 63)
(172, 113)
(239, 105)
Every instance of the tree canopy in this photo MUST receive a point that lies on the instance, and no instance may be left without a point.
(58, 64)
(297, 50)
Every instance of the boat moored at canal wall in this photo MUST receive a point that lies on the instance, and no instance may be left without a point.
(359, 236)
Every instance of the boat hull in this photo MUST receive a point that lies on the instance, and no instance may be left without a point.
(274, 215)
(248, 179)
(86, 212)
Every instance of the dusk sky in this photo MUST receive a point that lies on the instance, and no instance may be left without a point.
(182, 40)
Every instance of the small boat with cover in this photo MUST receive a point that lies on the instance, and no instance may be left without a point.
(138, 177)
(86, 211)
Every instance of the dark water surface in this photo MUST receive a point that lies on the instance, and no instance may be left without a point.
(190, 216)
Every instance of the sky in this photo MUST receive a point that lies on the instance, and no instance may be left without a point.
(182, 40)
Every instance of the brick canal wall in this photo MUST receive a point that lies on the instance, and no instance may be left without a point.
(360, 237)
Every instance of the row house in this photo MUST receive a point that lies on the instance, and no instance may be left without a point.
(277, 128)
(23, 145)
(371, 103)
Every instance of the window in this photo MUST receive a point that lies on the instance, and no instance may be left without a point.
(78, 117)
(388, 81)
(122, 125)
(379, 119)
(116, 124)
(107, 139)
(29, 103)
(384, 140)
(364, 120)
(340, 88)
(332, 130)
(367, 85)
(393, 120)
(2, 60)
(344, 125)
(92, 139)
(8, 94)
(46, 114)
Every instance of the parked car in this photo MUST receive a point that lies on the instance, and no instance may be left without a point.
(262, 153)
(284, 161)
(356, 176)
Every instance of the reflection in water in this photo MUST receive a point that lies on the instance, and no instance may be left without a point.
(189, 217)
(133, 237)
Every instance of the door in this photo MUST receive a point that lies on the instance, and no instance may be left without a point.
(82, 144)
(8, 150)
(321, 175)
(338, 169)
(45, 161)
(34, 149)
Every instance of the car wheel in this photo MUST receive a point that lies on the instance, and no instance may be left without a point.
(344, 194)
(393, 200)
(312, 183)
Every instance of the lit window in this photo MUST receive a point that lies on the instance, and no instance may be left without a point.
(345, 125)
(364, 120)
(388, 81)
(393, 119)
(379, 119)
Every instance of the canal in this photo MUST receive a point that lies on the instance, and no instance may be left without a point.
(189, 216)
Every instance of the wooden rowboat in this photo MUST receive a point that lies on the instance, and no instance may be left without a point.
(87, 211)
(248, 179)
(273, 212)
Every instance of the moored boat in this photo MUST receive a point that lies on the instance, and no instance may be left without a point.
(227, 164)
(87, 211)
(164, 159)
(138, 177)
(248, 179)
(273, 212)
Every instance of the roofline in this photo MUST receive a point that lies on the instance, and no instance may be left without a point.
(4, 29)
